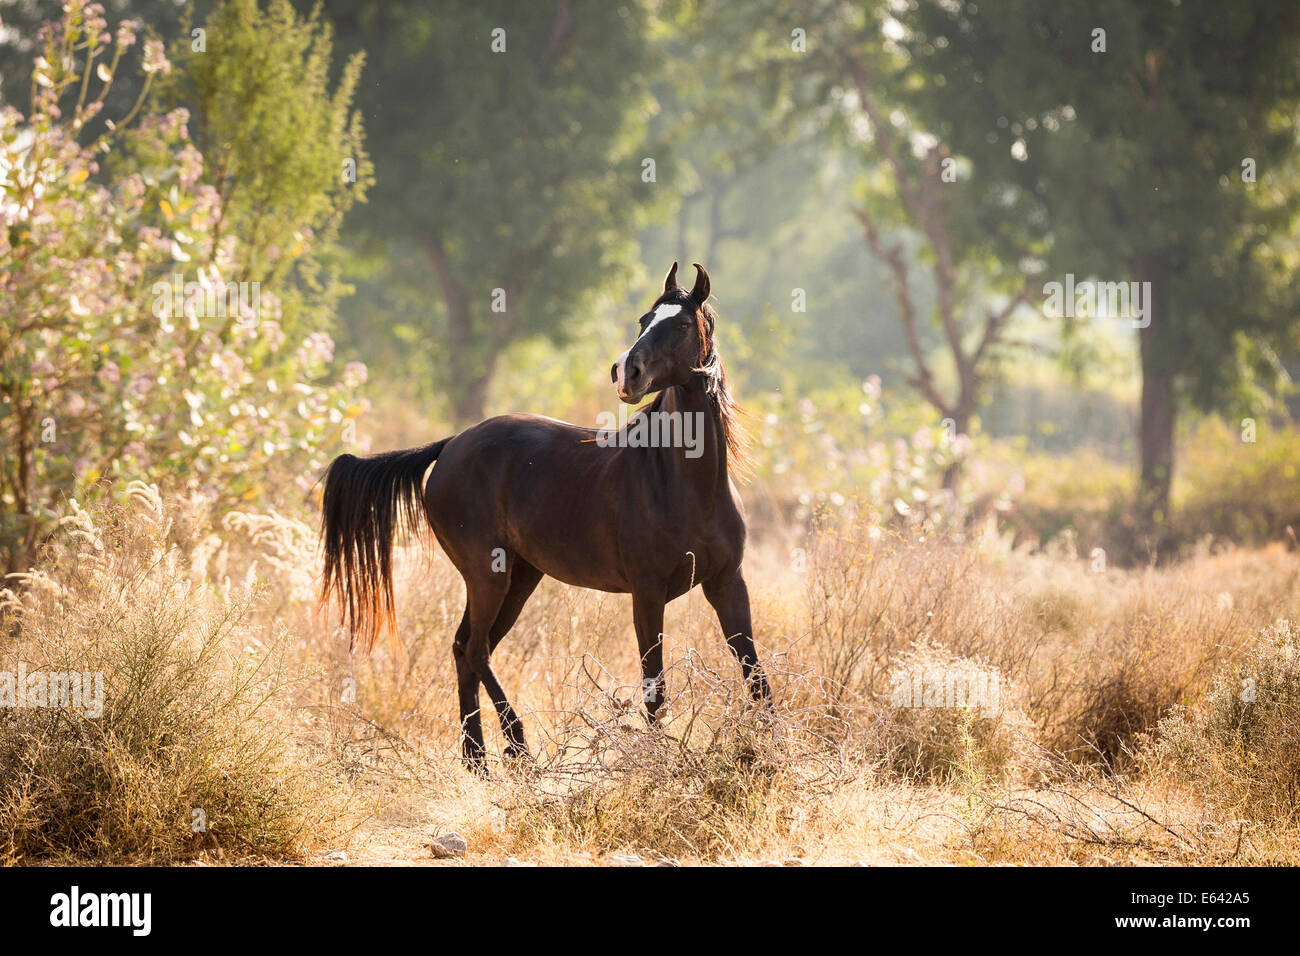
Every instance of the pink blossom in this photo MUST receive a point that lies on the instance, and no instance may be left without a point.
(126, 33)
(272, 334)
(191, 165)
(318, 347)
(155, 58)
(355, 374)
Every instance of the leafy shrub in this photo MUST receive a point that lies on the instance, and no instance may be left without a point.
(129, 349)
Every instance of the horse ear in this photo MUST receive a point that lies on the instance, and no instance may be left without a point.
(701, 291)
(670, 283)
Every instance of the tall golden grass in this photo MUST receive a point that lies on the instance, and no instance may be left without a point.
(1116, 737)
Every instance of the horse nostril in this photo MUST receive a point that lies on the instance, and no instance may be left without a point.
(613, 372)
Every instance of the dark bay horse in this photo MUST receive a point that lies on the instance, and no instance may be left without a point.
(520, 496)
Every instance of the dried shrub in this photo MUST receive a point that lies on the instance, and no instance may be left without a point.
(194, 751)
(1241, 745)
(953, 719)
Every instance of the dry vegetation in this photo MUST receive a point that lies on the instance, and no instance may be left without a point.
(1121, 734)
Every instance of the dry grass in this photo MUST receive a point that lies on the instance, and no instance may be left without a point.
(1239, 747)
(194, 752)
(1092, 666)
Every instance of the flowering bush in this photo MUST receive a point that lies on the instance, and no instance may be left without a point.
(826, 450)
(123, 351)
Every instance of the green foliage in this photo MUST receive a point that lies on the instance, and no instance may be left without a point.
(284, 153)
(517, 170)
(1239, 483)
(1134, 156)
(105, 373)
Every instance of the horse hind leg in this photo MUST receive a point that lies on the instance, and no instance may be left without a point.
(524, 579)
(467, 682)
(495, 600)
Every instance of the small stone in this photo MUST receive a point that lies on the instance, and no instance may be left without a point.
(337, 856)
(629, 860)
(515, 861)
(448, 845)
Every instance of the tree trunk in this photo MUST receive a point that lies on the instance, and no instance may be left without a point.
(468, 371)
(1158, 408)
(468, 388)
(468, 367)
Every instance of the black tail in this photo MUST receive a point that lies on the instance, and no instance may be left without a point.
(366, 502)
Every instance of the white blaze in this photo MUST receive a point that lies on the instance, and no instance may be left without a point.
(664, 311)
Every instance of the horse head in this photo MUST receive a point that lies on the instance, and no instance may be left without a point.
(675, 343)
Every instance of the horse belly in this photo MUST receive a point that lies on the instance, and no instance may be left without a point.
(576, 558)
(565, 534)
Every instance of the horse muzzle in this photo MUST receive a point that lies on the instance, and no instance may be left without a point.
(628, 376)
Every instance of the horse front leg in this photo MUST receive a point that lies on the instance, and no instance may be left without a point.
(648, 617)
(730, 599)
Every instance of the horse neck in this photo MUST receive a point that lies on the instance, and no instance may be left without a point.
(707, 473)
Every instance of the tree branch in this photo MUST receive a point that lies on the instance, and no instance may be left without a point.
(893, 257)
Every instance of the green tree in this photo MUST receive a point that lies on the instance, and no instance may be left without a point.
(509, 142)
(960, 251)
(764, 191)
(283, 150)
(1130, 123)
